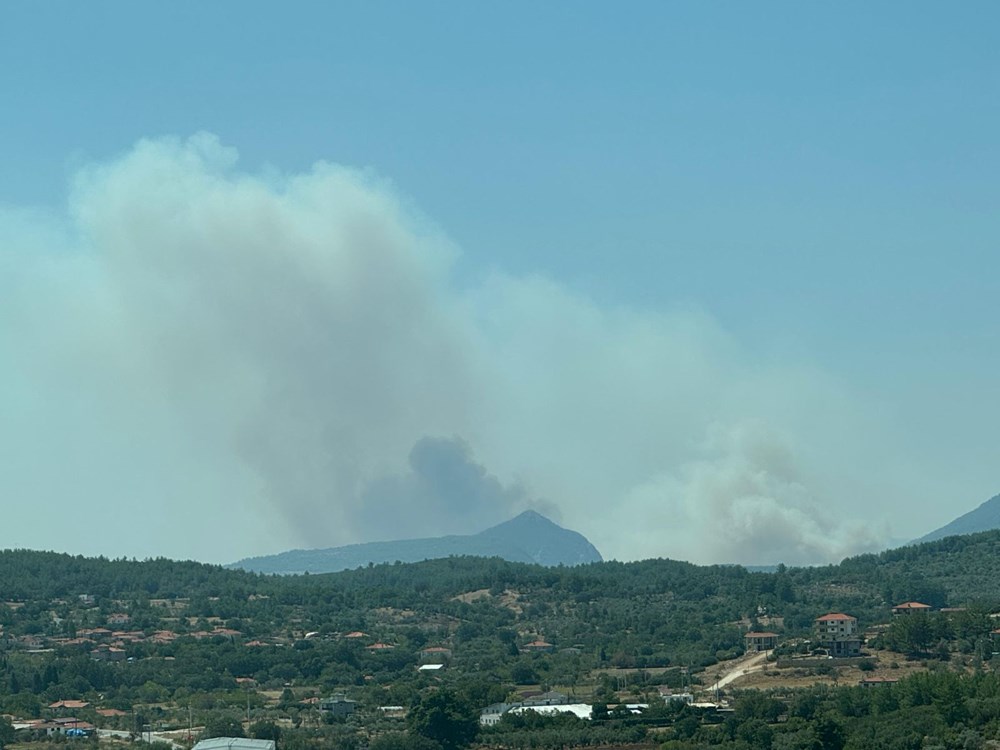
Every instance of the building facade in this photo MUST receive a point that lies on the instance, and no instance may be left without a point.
(760, 641)
(838, 634)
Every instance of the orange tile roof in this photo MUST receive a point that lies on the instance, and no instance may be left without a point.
(835, 617)
(69, 704)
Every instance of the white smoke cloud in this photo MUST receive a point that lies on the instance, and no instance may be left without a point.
(746, 500)
(208, 363)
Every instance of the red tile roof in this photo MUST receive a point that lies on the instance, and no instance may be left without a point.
(835, 617)
(69, 704)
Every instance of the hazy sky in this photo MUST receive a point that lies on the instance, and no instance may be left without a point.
(711, 281)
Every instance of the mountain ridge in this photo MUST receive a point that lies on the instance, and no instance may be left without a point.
(986, 517)
(528, 537)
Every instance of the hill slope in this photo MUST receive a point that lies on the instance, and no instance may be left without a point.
(984, 518)
(528, 538)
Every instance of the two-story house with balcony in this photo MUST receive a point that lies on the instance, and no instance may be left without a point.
(838, 634)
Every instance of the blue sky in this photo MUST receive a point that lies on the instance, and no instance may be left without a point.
(813, 185)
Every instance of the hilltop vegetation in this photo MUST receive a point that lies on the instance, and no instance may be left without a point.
(221, 640)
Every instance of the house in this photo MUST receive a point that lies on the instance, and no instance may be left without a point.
(669, 696)
(73, 641)
(337, 705)
(491, 714)
(127, 636)
(68, 726)
(96, 634)
(540, 702)
(119, 618)
(549, 698)
(760, 641)
(435, 655)
(538, 647)
(908, 608)
(108, 653)
(838, 634)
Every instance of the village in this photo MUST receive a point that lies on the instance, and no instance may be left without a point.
(837, 650)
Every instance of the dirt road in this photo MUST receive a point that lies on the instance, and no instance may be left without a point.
(735, 670)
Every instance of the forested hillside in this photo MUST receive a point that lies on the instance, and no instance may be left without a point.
(167, 635)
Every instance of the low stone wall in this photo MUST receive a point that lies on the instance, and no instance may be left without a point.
(817, 662)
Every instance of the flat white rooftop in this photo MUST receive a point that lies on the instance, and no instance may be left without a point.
(234, 743)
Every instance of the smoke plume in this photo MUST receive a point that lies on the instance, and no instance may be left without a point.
(209, 363)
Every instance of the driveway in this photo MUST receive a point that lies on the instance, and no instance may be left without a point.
(743, 666)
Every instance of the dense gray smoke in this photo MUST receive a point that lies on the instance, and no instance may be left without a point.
(444, 491)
